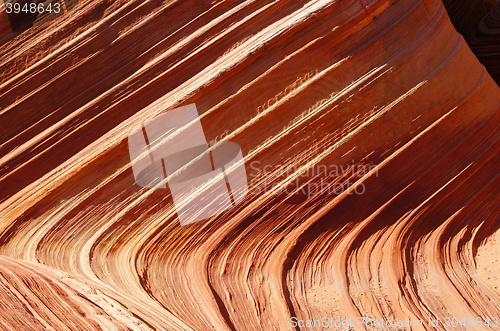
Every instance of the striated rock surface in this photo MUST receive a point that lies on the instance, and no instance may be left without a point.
(33, 297)
(485, 43)
(385, 95)
(466, 14)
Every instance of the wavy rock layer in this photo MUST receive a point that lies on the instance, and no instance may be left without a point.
(386, 85)
(485, 43)
(466, 15)
(33, 297)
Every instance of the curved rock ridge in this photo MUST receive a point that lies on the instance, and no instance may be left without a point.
(369, 132)
(466, 15)
(41, 298)
(485, 42)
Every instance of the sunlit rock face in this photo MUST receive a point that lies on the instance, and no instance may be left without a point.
(369, 131)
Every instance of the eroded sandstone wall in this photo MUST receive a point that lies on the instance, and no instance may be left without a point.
(385, 84)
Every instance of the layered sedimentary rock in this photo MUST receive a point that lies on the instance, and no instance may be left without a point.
(485, 43)
(33, 297)
(466, 15)
(370, 136)
(24, 14)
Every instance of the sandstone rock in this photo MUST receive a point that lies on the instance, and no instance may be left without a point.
(485, 43)
(386, 85)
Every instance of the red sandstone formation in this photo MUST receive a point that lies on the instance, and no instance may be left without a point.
(388, 86)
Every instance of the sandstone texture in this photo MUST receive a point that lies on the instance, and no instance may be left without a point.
(485, 42)
(466, 15)
(387, 91)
